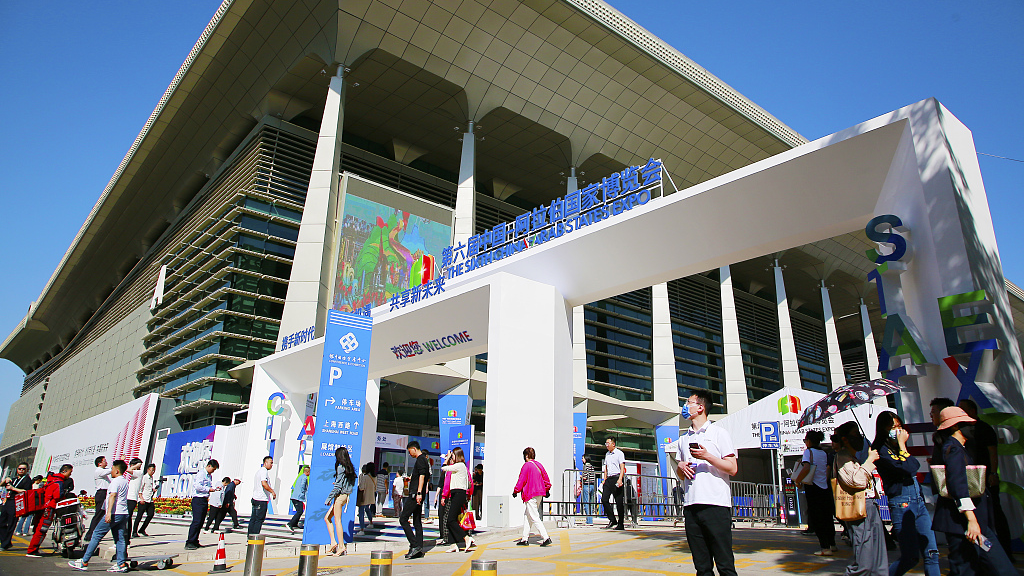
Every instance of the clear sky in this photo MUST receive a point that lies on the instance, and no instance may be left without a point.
(80, 79)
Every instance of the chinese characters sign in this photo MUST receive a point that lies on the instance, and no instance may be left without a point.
(415, 348)
(598, 201)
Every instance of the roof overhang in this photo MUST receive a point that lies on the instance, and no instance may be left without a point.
(233, 76)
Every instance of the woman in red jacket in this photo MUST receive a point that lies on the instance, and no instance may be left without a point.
(533, 485)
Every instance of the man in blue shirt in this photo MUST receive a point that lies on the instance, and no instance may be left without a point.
(200, 498)
(299, 497)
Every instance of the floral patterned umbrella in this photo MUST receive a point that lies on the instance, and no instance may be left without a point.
(845, 398)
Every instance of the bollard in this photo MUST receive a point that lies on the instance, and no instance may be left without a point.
(309, 559)
(380, 563)
(254, 555)
(484, 568)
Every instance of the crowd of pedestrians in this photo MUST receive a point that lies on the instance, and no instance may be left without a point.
(967, 515)
(846, 483)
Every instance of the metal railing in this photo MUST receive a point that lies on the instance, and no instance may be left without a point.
(655, 498)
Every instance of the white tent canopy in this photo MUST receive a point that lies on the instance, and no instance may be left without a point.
(780, 407)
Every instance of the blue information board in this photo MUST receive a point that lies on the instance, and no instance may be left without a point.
(339, 418)
(462, 437)
(770, 439)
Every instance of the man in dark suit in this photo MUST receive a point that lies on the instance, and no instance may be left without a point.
(229, 502)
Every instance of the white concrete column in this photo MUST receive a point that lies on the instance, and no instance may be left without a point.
(837, 376)
(579, 356)
(370, 414)
(465, 199)
(732, 352)
(870, 348)
(787, 344)
(579, 344)
(309, 286)
(663, 354)
(871, 352)
(531, 401)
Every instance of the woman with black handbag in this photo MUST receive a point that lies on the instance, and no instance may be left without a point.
(813, 475)
(963, 516)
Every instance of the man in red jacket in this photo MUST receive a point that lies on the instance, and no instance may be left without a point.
(57, 484)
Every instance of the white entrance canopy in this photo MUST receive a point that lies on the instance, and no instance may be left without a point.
(518, 310)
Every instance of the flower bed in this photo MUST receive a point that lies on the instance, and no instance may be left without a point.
(163, 505)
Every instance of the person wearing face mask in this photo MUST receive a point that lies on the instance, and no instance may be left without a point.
(973, 546)
(854, 475)
(707, 459)
(910, 520)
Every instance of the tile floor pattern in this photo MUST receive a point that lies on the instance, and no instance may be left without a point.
(649, 550)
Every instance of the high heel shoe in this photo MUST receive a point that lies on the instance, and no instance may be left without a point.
(470, 545)
(332, 550)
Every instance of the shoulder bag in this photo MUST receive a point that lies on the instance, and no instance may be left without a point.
(975, 480)
(850, 506)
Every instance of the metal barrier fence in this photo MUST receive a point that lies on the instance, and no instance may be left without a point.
(655, 498)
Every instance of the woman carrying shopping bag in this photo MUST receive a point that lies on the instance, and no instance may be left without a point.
(857, 504)
(454, 499)
(962, 511)
(533, 484)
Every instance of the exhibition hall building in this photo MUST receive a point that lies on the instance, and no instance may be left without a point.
(374, 156)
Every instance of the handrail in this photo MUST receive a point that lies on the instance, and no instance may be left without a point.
(657, 498)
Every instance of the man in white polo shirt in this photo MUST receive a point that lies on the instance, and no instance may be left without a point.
(706, 459)
(614, 468)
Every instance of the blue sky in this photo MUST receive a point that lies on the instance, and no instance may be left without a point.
(80, 79)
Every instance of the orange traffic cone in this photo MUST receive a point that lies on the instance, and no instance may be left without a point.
(220, 560)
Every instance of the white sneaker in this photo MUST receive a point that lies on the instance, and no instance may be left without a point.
(77, 565)
(117, 568)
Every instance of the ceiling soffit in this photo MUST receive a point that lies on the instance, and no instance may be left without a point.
(559, 68)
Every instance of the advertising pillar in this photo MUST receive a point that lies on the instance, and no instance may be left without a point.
(579, 434)
(453, 410)
(666, 433)
(341, 402)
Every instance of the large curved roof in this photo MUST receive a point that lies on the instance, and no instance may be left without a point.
(551, 83)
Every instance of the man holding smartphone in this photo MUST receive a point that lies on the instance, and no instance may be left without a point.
(614, 475)
(707, 459)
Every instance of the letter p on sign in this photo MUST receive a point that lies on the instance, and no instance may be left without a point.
(335, 374)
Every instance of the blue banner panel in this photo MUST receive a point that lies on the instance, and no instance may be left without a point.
(452, 410)
(339, 418)
(185, 455)
(579, 434)
(462, 437)
(664, 435)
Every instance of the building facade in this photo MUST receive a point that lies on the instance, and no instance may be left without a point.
(192, 258)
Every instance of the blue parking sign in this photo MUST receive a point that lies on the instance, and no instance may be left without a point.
(770, 436)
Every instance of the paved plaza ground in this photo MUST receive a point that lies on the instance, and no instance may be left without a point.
(650, 549)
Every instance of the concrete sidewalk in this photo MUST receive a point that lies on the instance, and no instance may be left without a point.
(650, 549)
